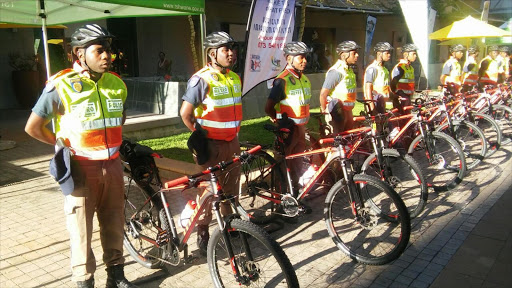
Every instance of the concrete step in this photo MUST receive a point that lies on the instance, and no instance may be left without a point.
(143, 125)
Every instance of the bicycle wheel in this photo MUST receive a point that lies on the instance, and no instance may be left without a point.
(261, 184)
(406, 178)
(259, 258)
(492, 132)
(443, 164)
(503, 116)
(381, 228)
(470, 138)
(142, 251)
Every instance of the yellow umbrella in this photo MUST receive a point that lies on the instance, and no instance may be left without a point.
(468, 27)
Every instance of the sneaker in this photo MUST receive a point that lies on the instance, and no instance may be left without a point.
(202, 239)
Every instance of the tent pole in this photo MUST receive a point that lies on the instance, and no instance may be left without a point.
(202, 19)
(42, 14)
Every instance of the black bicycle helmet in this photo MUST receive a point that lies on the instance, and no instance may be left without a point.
(473, 49)
(347, 46)
(493, 48)
(382, 46)
(457, 48)
(218, 39)
(409, 48)
(296, 48)
(88, 34)
(504, 49)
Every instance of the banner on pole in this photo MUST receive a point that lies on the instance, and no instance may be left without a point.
(270, 27)
(370, 28)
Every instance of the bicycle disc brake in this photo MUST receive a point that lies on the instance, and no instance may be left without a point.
(366, 219)
(251, 270)
(438, 161)
(290, 205)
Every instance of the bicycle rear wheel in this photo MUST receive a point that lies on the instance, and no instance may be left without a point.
(405, 177)
(380, 230)
(259, 258)
(470, 138)
(143, 222)
(491, 131)
(261, 184)
(503, 116)
(443, 164)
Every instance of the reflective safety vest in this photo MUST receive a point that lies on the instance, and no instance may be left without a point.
(220, 113)
(93, 114)
(381, 81)
(298, 96)
(406, 83)
(455, 75)
(503, 67)
(346, 89)
(470, 76)
(490, 76)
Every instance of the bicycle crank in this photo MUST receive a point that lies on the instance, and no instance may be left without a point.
(290, 205)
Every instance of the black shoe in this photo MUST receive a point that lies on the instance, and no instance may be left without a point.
(291, 220)
(86, 284)
(116, 279)
(303, 208)
(202, 239)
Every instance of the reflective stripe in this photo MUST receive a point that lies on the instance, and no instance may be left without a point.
(217, 124)
(403, 80)
(294, 102)
(349, 103)
(97, 154)
(102, 123)
(223, 102)
(298, 121)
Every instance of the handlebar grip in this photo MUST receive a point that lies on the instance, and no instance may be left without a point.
(176, 182)
(254, 149)
(326, 140)
(359, 118)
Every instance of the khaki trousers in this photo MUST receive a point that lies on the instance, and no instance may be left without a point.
(229, 179)
(99, 187)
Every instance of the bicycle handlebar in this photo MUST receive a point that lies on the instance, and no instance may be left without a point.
(219, 166)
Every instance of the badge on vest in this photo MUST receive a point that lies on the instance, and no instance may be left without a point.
(215, 76)
(76, 85)
(292, 80)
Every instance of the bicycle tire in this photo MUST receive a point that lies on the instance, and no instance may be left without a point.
(449, 167)
(264, 265)
(370, 237)
(261, 185)
(503, 116)
(143, 252)
(406, 178)
(470, 138)
(491, 131)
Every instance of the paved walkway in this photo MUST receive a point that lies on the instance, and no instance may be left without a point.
(462, 239)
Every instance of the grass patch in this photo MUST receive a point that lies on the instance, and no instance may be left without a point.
(175, 146)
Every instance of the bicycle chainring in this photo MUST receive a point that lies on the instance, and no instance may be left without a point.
(290, 205)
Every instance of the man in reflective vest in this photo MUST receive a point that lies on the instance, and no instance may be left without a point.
(488, 71)
(402, 78)
(376, 78)
(503, 64)
(338, 93)
(212, 104)
(452, 71)
(288, 103)
(86, 104)
(470, 69)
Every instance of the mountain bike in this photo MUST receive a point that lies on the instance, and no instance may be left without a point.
(239, 253)
(365, 217)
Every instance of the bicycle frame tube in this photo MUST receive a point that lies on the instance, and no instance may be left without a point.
(412, 121)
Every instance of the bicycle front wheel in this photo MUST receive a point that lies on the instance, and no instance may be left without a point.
(261, 184)
(440, 158)
(503, 116)
(403, 175)
(259, 258)
(470, 138)
(370, 224)
(141, 223)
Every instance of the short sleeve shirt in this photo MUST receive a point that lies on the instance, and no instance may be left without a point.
(277, 92)
(49, 103)
(332, 79)
(447, 68)
(197, 89)
(370, 75)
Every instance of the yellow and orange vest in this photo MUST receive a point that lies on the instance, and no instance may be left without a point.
(298, 97)
(406, 83)
(381, 81)
(346, 89)
(490, 76)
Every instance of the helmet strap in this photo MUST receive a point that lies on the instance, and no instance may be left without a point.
(216, 63)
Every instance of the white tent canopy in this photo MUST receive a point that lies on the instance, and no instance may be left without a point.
(53, 12)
